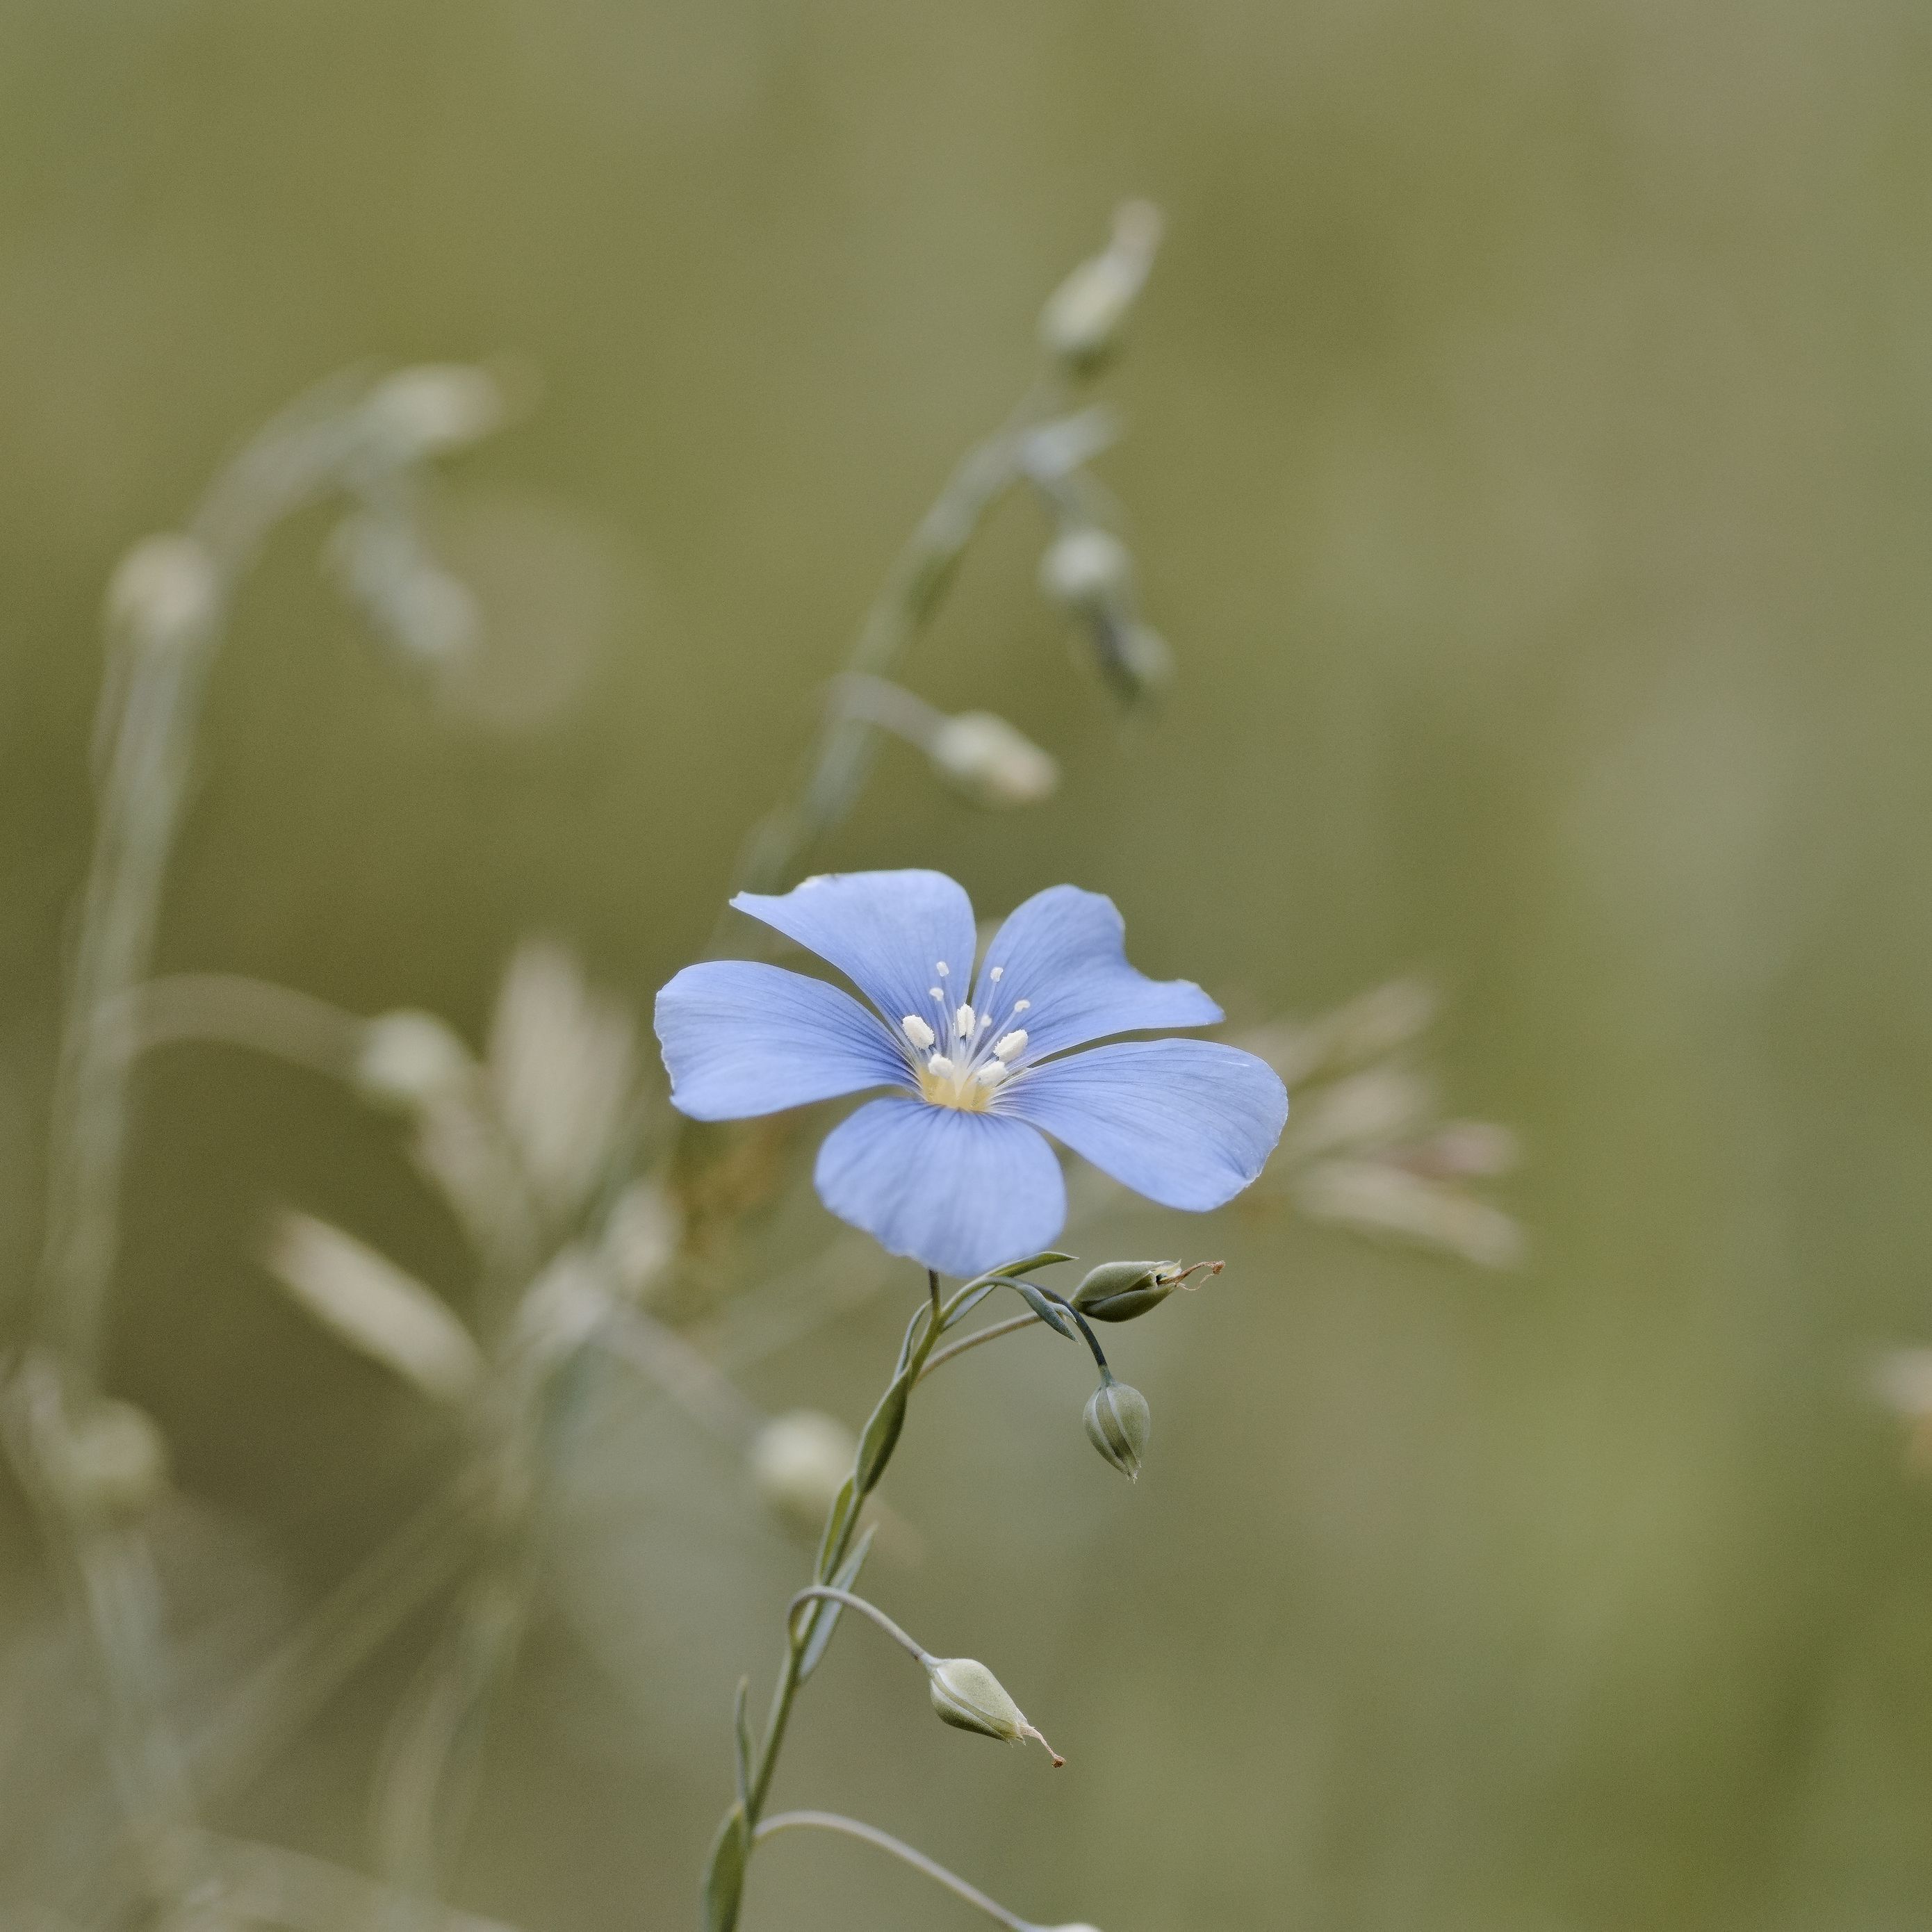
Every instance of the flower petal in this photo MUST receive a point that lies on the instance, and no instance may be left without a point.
(741, 1038)
(887, 931)
(958, 1193)
(1187, 1122)
(1063, 952)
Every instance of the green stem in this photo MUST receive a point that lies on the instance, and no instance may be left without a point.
(871, 1834)
(832, 1554)
(823, 1592)
(979, 1338)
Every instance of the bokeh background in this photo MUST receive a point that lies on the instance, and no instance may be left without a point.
(1530, 463)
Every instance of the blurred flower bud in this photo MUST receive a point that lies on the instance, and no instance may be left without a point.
(1118, 1420)
(1088, 570)
(113, 1461)
(163, 590)
(1134, 658)
(432, 616)
(799, 1462)
(410, 1060)
(992, 763)
(1119, 1291)
(1081, 323)
(967, 1696)
(437, 406)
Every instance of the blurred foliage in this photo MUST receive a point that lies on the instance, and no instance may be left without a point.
(1530, 471)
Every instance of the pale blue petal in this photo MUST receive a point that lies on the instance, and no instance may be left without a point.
(1063, 951)
(958, 1193)
(887, 932)
(741, 1038)
(1187, 1122)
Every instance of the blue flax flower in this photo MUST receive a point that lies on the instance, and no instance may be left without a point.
(950, 1168)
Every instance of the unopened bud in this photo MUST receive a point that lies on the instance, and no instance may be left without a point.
(1081, 323)
(967, 1696)
(163, 590)
(800, 1463)
(113, 1461)
(1119, 1291)
(1118, 1420)
(409, 1060)
(994, 765)
(435, 406)
(1088, 570)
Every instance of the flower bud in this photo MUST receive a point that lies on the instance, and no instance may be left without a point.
(163, 589)
(967, 1696)
(799, 1462)
(994, 764)
(1088, 570)
(112, 1462)
(1119, 1291)
(1081, 323)
(1118, 1420)
(410, 1060)
(436, 405)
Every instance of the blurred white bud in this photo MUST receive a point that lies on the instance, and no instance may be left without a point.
(112, 1460)
(163, 589)
(994, 764)
(411, 1060)
(437, 406)
(1088, 570)
(382, 564)
(1081, 324)
(799, 1462)
(640, 1238)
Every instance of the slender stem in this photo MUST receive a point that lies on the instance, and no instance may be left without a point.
(824, 1591)
(871, 1834)
(1080, 1321)
(914, 589)
(1012, 1325)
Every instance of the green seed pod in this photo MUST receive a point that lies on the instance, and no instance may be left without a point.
(1119, 1291)
(967, 1696)
(1117, 1421)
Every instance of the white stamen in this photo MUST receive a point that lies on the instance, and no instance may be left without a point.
(992, 1073)
(916, 1030)
(962, 1022)
(1009, 1046)
(935, 992)
(940, 1066)
(1021, 1006)
(999, 973)
(943, 970)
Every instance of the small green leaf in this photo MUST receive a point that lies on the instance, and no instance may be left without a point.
(1046, 1310)
(826, 1620)
(1046, 1259)
(882, 1435)
(741, 1729)
(967, 1303)
(724, 1876)
(836, 1519)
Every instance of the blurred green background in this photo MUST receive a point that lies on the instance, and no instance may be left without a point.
(1531, 463)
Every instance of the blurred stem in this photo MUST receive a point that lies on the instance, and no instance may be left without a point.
(871, 1834)
(914, 590)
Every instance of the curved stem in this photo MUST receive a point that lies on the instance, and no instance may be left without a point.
(1093, 1340)
(825, 1593)
(1011, 1326)
(871, 1834)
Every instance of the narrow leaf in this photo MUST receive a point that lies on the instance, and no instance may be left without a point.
(965, 1305)
(881, 1436)
(1046, 1310)
(827, 1619)
(1046, 1259)
(741, 1729)
(839, 1515)
(374, 1305)
(724, 1876)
